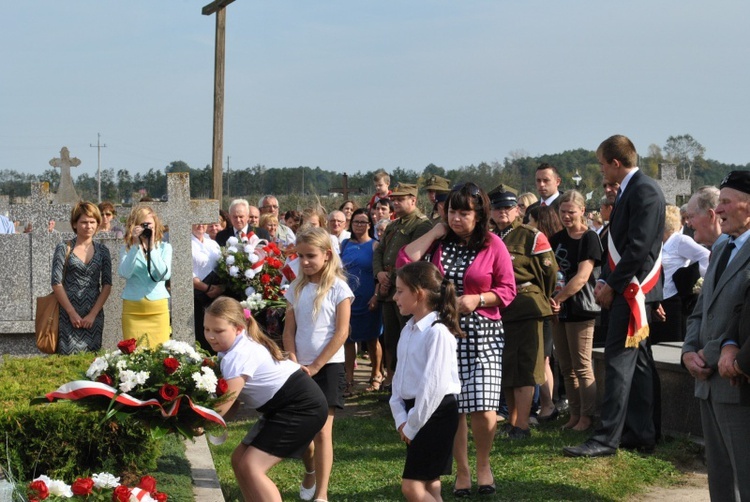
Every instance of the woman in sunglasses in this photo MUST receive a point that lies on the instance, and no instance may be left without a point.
(478, 264)
(109, 222)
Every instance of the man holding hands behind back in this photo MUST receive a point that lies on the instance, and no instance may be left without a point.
(630, 279)
(710, 348)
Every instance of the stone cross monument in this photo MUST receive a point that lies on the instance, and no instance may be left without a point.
(671, 185)
(66, 192)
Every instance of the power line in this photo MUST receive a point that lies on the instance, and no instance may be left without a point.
(98, 147)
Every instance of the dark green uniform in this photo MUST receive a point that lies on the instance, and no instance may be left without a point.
(535, 271)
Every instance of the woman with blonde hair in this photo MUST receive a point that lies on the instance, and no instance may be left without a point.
(146, 265)
(81, 281)
(579, 253)
(524, 201)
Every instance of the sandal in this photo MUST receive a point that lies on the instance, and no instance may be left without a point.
(375, 384)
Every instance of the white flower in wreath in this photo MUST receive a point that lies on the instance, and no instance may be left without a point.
(230, 260)
(104, 480)
(99, 365)
(232, 241)
(232, 249)
(121, 364)
(206, 380)
(129, 379)
(250, 291)
(234, 271)
(249, 273)
(253, 258)
(56, 487)
(249, 248)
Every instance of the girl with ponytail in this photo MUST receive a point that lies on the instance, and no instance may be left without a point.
(293, 407)
(426, 381)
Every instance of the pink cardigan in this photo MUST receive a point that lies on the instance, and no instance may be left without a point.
(491, 270)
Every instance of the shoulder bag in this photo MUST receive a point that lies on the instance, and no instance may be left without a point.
(47, 322)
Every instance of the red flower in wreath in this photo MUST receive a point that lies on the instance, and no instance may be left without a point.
(265, 279)
(222, 387)
(127, 346)
(147, 483)
(105, 379)
(121, 494)
(82, 486)
(39, 490)
(159, 497)
(169, 392)
(170, 365)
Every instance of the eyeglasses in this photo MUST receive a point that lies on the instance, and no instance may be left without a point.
(337, 221)
(360, 222)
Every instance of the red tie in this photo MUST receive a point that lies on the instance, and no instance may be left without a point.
(243, 235)
(543, 204)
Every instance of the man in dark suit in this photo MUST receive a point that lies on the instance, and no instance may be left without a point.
(239, 217)
(710, 351)
(630, 280)
(547, 181)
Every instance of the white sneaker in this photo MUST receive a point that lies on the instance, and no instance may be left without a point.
(307, 493)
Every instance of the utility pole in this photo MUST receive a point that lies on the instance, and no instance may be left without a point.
(98, 147)
(228, 157)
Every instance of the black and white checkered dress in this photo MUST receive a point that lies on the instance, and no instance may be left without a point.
(480, 353)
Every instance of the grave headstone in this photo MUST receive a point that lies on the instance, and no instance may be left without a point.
(66, 192)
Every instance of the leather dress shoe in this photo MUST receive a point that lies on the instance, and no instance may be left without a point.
(589, 449)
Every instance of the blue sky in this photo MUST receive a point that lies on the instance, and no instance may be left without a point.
(361, 85)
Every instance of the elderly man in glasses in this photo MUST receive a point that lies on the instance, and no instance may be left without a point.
(269, 204)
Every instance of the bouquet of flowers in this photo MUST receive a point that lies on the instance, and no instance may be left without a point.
(99, 487)
(255, 271)
(172, 388)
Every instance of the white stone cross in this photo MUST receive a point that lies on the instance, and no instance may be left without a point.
(671, 185)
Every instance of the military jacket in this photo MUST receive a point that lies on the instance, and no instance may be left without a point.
(535, 269)
(398, 234)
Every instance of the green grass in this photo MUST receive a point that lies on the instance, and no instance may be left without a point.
(369, 461)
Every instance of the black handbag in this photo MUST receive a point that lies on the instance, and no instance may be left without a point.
(583, 303)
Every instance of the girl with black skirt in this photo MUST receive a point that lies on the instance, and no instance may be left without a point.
(426, 381)
(293, 406)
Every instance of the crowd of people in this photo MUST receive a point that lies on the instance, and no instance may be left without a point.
(466, 312)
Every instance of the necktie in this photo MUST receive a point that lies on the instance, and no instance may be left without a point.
(543, 204)
(243, 235)
(723, 260)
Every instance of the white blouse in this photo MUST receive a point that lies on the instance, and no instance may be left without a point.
(427, 371)
(680, 251)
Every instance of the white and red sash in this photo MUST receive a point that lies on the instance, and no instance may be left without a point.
(635, 294)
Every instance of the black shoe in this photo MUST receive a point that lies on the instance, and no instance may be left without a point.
(461, 493)
(504, 429)
(487, 489)
(589, 449)
(549, 418)
(518, 433)
(646, 448)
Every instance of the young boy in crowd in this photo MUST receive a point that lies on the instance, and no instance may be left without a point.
(381, 180)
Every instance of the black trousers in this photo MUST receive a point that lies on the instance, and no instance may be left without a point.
(629, 381)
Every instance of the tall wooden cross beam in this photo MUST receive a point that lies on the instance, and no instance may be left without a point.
(345, 190)
(218, 7)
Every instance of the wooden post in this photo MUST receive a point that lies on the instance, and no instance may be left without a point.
(218, 7)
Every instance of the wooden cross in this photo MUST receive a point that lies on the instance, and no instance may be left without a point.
(218, 7)
(345, 187)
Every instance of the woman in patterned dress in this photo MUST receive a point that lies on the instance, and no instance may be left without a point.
(86, 284)
(478, 264)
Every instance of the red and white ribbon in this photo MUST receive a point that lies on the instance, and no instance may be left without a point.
(81, 389)
(635, 295)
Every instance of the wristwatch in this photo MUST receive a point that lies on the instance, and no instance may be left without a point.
(482, 303)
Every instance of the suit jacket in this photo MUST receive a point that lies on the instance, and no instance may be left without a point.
(709, 324)
(637, 230)
(221, 237)
(555, 206)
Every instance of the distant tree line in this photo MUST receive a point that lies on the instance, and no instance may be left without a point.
(516, 170)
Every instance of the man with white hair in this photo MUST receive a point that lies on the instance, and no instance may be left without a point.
(701, 213)
(337, 226)
(239, 212)
(269, 204)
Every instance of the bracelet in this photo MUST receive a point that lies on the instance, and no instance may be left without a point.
(482, 303)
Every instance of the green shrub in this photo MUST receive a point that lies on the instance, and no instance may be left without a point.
(63, 439)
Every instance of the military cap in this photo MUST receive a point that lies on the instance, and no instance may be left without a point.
(403, 189)
(503, 196)
(437, 184)
(739, 180)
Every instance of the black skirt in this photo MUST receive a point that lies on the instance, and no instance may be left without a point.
(332, 381)
(291, 418)
(430, 454)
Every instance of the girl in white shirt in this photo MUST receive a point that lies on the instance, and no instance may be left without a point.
(426, 380)
(315, 329)
(293, 407)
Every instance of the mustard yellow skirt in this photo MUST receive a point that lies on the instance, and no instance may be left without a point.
(147, 321)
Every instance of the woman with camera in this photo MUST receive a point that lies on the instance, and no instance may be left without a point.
(145, 263)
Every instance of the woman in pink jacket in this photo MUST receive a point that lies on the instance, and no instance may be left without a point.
(478, 264)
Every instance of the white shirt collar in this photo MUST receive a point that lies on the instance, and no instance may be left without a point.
(627, 178)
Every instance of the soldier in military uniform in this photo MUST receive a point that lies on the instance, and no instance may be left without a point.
(535, 271)
(437, 188)
(409, 225)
